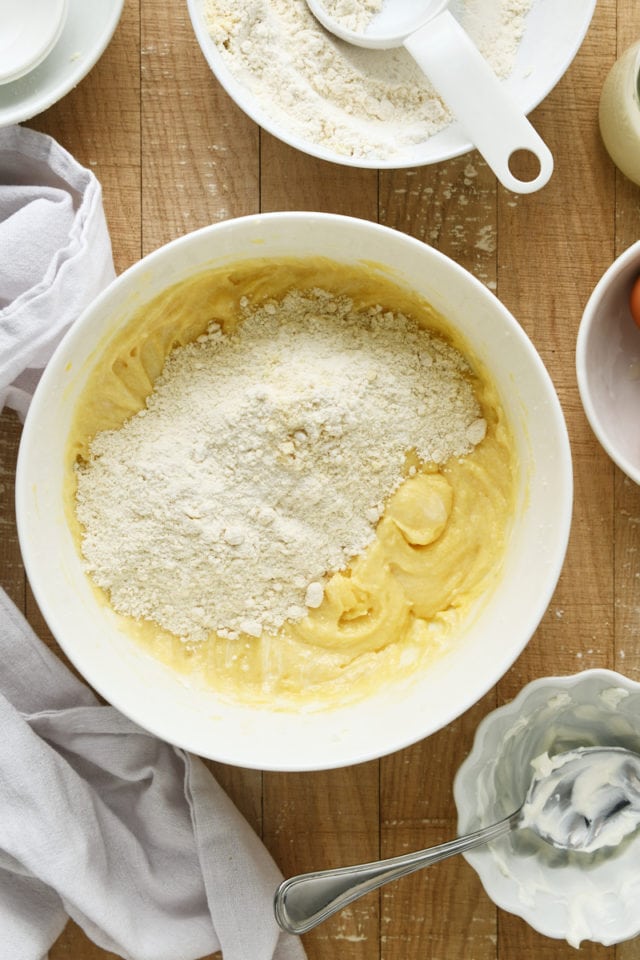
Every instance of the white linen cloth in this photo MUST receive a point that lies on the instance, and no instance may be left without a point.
(55, 254)
(129, 836)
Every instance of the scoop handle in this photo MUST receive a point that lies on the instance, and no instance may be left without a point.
(478, 99)
(303, 902)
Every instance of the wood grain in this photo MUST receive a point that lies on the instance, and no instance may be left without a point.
(173, 153)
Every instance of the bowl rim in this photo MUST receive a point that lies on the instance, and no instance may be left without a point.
(611, 274)
(402, 739)
(514, 705)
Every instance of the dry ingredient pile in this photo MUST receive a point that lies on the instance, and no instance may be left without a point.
(263, 459)
(353, 14)
(355, 102)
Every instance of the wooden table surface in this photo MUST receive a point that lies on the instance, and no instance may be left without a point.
(174, 153)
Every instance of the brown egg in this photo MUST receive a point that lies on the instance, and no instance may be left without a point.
(634, 301)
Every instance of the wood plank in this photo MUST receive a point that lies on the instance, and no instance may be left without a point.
(326, 819)
(291, 180)
(442, 911)
(99, 124)
(577, 239)
(451, 206)
(200, 159)
(13, 579)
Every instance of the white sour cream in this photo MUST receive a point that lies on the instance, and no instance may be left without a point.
(583, 802)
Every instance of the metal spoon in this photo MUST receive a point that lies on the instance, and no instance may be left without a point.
(580, 800)
(460, 74)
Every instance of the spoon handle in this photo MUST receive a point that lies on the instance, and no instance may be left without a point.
(303, 902)
(488, 114)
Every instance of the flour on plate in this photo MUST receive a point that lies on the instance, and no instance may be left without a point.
(358, 103)
(262, 462)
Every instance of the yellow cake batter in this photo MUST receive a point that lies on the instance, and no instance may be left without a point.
(438, 547)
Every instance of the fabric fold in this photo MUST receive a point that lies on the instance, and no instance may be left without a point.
(107, 824)
(56, 254)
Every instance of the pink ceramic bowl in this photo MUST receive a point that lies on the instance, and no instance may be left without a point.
(608, 363)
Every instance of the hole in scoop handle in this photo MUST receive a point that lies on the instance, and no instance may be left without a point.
(478, 99)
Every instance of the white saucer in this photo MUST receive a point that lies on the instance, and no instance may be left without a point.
(30, 30)
(84, 38)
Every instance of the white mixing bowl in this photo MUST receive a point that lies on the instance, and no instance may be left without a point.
(157, 698)
(552, 37)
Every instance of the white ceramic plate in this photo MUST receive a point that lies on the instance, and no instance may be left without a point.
(554, 32)
(87, 31)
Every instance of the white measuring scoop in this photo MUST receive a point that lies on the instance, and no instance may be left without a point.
(460, 75)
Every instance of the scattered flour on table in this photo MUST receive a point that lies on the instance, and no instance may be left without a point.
(358, 103)
(263, 460)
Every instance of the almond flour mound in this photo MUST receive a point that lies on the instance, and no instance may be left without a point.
(263, 460)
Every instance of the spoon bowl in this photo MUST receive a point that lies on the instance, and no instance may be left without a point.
(460, 75)
(581, 800)
(584, 799)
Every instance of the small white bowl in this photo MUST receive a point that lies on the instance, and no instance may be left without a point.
(563, 895)
(159, 699)
(30, 30)
(608, 363)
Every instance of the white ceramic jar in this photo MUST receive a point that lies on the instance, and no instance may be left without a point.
(619, 113)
